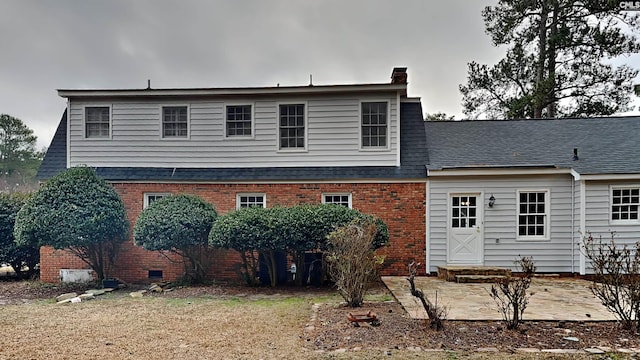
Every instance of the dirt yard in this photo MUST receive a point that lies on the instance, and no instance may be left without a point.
(231, 322)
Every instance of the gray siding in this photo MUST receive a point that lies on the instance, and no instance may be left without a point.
(598, 208)
(333, 131)
(554, 255)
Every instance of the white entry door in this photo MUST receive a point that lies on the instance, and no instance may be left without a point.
(464, 245)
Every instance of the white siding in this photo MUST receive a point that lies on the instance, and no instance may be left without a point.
(333, 130)
(554, 255)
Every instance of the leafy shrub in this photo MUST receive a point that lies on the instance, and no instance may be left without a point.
(78, 211)
(307, 228)
(510, 294)
(179, 224)
(616, 278)
(297, 230)
(23, 259)
(251, 231)
(352, 260)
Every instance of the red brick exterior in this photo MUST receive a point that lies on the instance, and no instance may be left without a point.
(400, 205)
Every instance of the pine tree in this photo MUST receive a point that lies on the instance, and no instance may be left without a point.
(559, 61)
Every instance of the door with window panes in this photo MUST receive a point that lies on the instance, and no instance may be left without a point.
(464, 245)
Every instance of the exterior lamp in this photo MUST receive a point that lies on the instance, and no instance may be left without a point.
(492, 201)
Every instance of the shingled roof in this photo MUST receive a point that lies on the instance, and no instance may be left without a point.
(412, 154)
(604, 145)
(55, 160)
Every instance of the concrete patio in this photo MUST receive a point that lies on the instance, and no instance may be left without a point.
(553, 299)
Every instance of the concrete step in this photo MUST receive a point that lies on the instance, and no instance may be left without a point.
(450, 272)
(479, 278)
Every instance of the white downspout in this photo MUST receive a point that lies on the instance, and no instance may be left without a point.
(427, 261)
(573, 224)
(583, 225)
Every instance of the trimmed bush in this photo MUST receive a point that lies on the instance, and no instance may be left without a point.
(179, 224)
(77, 211)
(23, 259)
(296, 230)
(252, 231)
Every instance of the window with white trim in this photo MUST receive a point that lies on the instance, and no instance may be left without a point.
(250, 200)
(624, 203)
(292, 127)
(533, 215)
(464, 212)
(374, 124)
(149, 198)
(97, 122)
(238, 120)
(343, 199)
(175, 123)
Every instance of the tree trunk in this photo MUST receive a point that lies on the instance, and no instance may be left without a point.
(539, 93)
(551, 63)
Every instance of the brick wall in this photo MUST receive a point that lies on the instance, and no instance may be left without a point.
(400, 205)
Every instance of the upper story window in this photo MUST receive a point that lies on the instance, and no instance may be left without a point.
(374, 124)
(238, 120)
(97, 122)
(250, 200)
(339, 199)
(149, 198)
(624, 203)
(292, 127)
(533, 215)
(175, 122)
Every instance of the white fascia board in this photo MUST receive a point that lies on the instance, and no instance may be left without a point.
(496, 172)
(279, 90)
(610, 177)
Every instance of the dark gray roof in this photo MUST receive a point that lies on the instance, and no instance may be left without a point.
(411, 152)
(605, 145)
(55, 160)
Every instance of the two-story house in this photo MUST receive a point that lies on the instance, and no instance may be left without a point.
(451, 192)
(359, 145)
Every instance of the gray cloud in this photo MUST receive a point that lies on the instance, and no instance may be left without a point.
(49, 45)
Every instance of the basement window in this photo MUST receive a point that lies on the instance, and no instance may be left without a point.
(155, 274)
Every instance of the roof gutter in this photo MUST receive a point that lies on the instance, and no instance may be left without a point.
(278, 90)
(497, 171)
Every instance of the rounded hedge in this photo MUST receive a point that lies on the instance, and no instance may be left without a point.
(74, 209)
(175, 222)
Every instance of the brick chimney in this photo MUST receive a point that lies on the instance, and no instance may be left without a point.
(399, 75)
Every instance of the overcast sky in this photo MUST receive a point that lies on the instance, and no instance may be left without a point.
(70, 44)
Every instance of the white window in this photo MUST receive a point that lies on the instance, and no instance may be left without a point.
(291, 127)
(343, 199)
(374, 124)
(175, 122)
(238, 121)
(464, 212)
(624, 204)
(149, 198)
(250, 200)
(97, 122)
(533, 215)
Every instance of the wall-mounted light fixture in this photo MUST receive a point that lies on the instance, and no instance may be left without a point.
(492, 200)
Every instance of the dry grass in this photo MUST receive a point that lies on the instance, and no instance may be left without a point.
(154, 328)
(246, 326)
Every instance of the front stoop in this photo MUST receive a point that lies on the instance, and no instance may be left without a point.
(472, 274)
